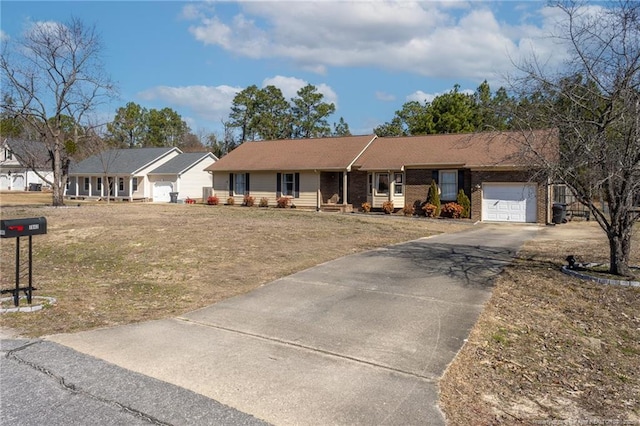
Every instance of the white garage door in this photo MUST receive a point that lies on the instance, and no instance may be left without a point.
(509, 202)
(4, 182)
(161, 191)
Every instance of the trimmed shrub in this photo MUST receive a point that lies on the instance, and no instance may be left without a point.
(231, 201)
(366, 207)
(283, 202)
(248, 201)
(452, 210)
(387, 207)
(434, 198)
(264, 202)
(213, 200)
(464, 201)
(408, 210)
(430, 210)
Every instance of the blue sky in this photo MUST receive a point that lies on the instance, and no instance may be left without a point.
(368, 57)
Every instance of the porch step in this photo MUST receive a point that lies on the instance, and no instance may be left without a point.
(336, 208)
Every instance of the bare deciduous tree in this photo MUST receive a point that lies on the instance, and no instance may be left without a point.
(594, 102)
(54, 71)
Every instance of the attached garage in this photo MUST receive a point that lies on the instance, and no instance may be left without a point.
(162, 192)
(509, 202)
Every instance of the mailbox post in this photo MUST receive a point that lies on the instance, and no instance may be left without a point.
(16, 228)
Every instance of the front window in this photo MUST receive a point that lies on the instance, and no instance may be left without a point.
(382, 183)
(448, 185)
(399, 184)
(240, 184)
(120, 184)
(8, 155)
(134, 184)
(288, 184)
(370, 184)
(86, 184)
(99, 185)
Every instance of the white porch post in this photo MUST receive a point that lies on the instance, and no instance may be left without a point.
(90, 186)
(130, 188)
(318, 193)
(344, 188)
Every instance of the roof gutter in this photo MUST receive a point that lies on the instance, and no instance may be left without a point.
(423, 165)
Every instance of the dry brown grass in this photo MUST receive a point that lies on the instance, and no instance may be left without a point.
(549, 347)
(121, 263)
(17, 198)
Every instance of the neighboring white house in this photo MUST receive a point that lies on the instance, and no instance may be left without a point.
(24, 165)
(183, 174)
(147, 174)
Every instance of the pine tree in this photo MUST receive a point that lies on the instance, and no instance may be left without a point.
(434, 197)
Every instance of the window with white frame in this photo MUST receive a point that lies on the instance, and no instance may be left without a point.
(448, 185)
(382, 183)
(86, 184)
(288, 184)
(8, 155)
(134, 184)
(370, 184)
(120, 184)
(99, 184)
(398, 180)
(240, 183)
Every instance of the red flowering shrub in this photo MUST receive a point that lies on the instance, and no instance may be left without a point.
(452, 210)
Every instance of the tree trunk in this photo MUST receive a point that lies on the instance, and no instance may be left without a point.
(619, 250)
(58, 177)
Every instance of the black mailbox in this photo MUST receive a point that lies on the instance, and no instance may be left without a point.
(12, 228)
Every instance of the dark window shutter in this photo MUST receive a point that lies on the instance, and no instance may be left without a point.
(278, 185)
(297, 186)
(230, 184)
(434, 176)
(460, 180)
(246, 184)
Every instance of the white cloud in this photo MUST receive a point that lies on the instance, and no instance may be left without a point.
(385, 97)
(421, 97)
(207, 102)
(435, 39)
(290, 86)
(3, 36)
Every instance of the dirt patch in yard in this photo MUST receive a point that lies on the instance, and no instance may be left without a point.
(550, 348)
(110, 264)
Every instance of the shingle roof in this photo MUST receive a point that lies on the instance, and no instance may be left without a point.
(495, 149)
(120, 161)
(294, 154)
(181, 163)
(30, 153)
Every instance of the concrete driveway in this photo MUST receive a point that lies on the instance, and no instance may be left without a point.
(359, 340)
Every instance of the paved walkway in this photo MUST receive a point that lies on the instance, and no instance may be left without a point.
(359, 340)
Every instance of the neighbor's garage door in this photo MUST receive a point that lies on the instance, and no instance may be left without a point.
(509, 202)
(161, 191)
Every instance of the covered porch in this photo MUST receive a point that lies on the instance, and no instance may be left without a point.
(117, 188)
